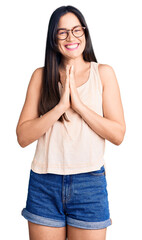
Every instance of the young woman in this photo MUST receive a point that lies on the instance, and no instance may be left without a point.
(72, 105)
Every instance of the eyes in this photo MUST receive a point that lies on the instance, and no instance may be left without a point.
(65, 32)
(76, 31)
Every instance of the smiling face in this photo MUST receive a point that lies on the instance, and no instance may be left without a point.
(69, 21)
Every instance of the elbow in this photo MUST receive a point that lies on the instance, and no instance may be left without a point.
(20, 138)
(21, 142)
(121, 135)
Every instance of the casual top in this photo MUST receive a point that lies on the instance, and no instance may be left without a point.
(73, 147)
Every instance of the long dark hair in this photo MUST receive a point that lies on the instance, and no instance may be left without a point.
(49, 95)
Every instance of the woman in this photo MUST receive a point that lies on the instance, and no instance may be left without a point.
(72, 105)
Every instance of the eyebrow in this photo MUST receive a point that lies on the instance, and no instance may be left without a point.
(67, 29)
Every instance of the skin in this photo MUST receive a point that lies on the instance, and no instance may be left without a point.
(75, 57)
(72, 58)
(111, 126)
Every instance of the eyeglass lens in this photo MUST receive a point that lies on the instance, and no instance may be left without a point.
(77, 32)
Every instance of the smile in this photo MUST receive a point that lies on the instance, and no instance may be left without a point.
(72, 47)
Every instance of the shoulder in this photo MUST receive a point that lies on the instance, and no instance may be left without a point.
(104, 68)
(36, 77)
(38, 71)
(106, 73)
(35, 82)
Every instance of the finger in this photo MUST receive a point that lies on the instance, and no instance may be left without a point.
(72, 70)
(67, 75)
(67, 70)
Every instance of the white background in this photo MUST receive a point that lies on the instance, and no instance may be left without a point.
(115, 28)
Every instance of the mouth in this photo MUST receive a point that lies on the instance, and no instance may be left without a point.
(71, 47)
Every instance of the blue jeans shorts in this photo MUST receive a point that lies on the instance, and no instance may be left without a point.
(79, 200)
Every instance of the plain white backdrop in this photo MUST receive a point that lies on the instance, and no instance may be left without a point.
(115, 28)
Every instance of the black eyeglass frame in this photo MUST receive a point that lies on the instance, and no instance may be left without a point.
(71, 31)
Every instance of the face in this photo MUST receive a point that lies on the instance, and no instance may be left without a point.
(69, 21)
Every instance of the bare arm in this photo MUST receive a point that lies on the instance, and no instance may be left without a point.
(112, 125)
(104, 127)
(32, 130)
(30, 126)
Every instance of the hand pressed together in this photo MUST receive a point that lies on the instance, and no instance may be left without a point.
(70, 96)
(75, 98)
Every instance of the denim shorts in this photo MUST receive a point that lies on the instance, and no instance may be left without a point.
(79, 200)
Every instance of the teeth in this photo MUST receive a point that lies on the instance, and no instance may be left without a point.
(72, 46)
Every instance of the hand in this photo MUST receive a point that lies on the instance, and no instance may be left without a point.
(75, 98)
(65, 90)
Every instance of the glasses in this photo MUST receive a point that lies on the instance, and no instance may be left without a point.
(77, 31)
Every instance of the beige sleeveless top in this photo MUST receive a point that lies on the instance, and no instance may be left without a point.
(73, 147)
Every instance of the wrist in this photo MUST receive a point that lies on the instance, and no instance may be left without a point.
(60, 107)
(80, 108)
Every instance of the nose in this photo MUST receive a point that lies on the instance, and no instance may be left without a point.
(70, 35)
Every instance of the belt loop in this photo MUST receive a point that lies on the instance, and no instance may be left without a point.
(105, 170)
